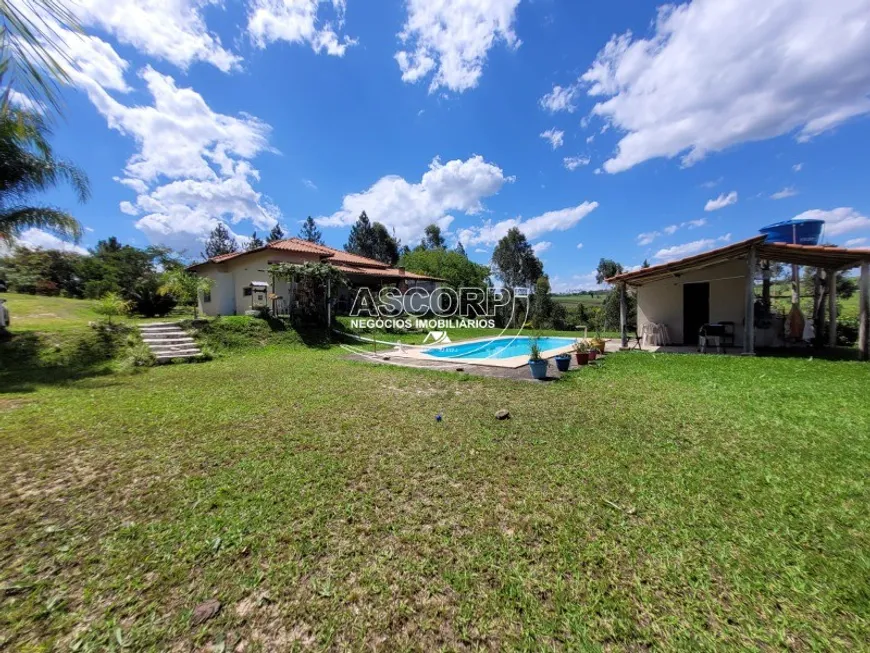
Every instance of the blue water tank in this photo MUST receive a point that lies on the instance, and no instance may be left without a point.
(794, 232)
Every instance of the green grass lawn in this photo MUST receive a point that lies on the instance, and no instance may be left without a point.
(48, 314)
(659, 501)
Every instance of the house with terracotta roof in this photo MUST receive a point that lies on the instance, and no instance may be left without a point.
(241, 280)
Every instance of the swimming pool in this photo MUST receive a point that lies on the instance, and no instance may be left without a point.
(497, 348)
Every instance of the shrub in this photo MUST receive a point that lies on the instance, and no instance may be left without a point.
(847, 331)
(240, 331)
(148, 301)
(112, 305)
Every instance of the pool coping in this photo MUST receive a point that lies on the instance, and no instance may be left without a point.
(512, 362)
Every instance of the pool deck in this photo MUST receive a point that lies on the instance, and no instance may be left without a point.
(514, 362)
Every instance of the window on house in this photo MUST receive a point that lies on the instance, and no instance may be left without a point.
(246, 292)
(206, 296)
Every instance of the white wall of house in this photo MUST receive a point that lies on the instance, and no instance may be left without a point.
(231, 278)
(662, 301)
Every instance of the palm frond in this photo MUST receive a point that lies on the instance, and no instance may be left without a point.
(18, 219)
(31, 42)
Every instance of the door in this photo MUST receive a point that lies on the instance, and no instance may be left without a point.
(696, 310)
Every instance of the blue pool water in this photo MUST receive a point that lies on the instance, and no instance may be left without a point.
(497, 348)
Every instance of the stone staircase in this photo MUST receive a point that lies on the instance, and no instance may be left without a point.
(168, 341)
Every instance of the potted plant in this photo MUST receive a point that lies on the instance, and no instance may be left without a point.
(598, 342)
(581, 351)
(563, 362)
(593, 353)
(537, 364)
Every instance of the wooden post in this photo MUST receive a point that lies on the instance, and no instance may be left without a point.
(832, 308)
(749, 312)
(623, 315)
(864, 313)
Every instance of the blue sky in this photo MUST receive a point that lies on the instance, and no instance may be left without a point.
(625, 129)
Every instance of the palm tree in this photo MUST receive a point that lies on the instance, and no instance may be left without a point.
(27, 166)
(32, 52)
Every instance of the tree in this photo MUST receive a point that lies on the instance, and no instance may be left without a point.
(28, 166)
(255, 243)
(645, 264)
(42, 271)
(113, 267)
(361, 239)
(220, 242)
(277, 233)
(30, 60)
(456, 270)
(514, 260)
(372, 240)
(460, 249)
(386, 246)
(607, 268)
(310, 232)
(184, 286)
(433, 238)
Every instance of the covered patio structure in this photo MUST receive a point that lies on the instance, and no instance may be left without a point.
(719, 287)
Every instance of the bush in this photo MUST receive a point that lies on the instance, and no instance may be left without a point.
(239, 332)
(148, 301)
(847, 331)
(112, 305)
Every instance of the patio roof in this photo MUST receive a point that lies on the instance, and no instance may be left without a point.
(830, 258)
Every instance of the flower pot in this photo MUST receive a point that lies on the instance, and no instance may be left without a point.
(598, 343)
(538, 368)
(582, 358)
(563, 362)
(593, 355)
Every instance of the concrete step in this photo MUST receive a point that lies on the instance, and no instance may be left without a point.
(167, 329)
(157, 324)
(167, 340)
(176, 353)
(164, 358)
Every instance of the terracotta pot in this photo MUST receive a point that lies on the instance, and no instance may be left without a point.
(582, 359)
(598, 343)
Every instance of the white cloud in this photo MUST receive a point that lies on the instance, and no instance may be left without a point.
(173, 30)
(579, 245)
(856, 242)
(408, 208)
(646, 238)
(128, 208)
(688, 249)
(560, 99)
(589, 139)
(296, 21)
(309, 184)
(573, 162)
(797, 167)
(789, 191)
(191, 167)
(490, 233)
(721, 202)
(179, 136)
(452, 38)
(541, 247)
(712, 183)
(837, 221)
(716, 74)
(183, 212)
(34, 238)
(24, 102)
(555, 136)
